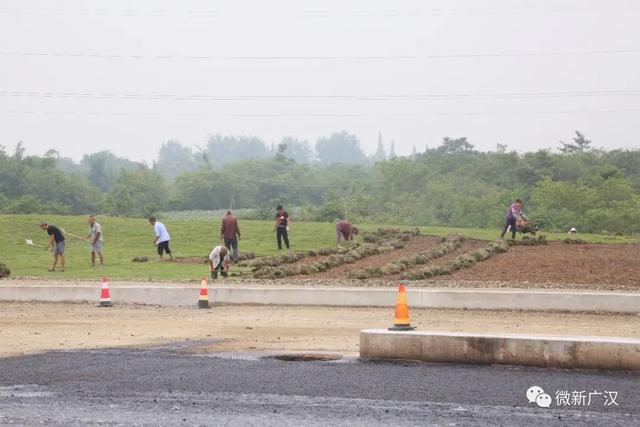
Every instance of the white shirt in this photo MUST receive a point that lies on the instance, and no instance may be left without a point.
(214, 256)
(95, 229)
(161, 232)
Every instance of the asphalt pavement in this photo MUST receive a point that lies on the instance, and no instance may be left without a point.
(171, 386)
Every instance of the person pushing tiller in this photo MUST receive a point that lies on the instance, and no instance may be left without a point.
(514, 213)
(282, 227)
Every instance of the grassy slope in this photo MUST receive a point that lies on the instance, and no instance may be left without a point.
(127, 237)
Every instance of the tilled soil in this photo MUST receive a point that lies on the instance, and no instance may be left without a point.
(414, 246)
(467, 246)
(560, 263)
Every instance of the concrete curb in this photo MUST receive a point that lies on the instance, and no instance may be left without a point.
(472, 299)
(508, 349)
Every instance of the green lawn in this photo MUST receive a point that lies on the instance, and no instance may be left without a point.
(126, 238)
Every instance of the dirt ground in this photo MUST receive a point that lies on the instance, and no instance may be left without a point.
(556, 265)
(559, 263)
(413, 247)
(38, 327)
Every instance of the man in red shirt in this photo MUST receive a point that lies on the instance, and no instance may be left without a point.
(346, 230)
(230, 233)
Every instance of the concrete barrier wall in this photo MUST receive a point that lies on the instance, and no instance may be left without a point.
(525, 350)
(525, 300)
(185, 295)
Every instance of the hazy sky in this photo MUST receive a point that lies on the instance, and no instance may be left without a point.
(82, 76)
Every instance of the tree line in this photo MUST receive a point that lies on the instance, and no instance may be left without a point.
(453, 184)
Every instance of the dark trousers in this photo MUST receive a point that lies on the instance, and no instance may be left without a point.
(510, 222)
(220, 268)
(164, 247)
(281, 234)
(232, 243)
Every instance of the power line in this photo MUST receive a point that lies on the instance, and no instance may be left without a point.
(106, 56)
(338, 97)
(318, 115)
(314, 13)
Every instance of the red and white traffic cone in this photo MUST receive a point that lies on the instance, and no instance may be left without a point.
(105, 296)
(203, 299)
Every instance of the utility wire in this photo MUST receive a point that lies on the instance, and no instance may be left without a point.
(102, 55)
(339, 97)
(319, 115)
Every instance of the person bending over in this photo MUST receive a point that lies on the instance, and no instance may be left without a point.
(162, 238)
(56, 244)
(219, 262)
(345, 230)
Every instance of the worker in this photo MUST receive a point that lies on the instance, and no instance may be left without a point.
(513, 214)
(282, 227)
(219, 261)
(96, 239)
(56, 243)
(230, 233)
(162, 238)
(346, 230)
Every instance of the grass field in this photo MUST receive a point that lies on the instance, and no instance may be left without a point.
(126, 238)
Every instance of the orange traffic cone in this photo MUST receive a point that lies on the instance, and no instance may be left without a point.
(105, 296)
(203, 300)
(402, 322)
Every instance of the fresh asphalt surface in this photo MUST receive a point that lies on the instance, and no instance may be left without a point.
(169, 386)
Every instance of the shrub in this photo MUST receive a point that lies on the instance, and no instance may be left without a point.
(4, 271)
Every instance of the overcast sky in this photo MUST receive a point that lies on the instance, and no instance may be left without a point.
(82, 76)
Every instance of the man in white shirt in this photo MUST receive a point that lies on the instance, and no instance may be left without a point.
(162, 237)
(219, 261)
(96, 239)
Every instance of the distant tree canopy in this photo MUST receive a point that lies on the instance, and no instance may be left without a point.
(174, 159)
(297, 150)
(221, 150)
(452, 184)
(341, 147)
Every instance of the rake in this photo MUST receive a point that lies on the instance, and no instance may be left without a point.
(29, 242)
(72, 235)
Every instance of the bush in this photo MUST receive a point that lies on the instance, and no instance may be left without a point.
(4, 271)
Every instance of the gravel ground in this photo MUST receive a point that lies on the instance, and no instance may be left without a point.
(36, 327)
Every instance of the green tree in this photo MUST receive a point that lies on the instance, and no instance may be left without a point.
(297, 150)
(580, 144)
(340, 147)
(138, 194)
(174, 159)
(379, 155)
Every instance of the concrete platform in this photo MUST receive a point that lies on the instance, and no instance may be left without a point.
(181, 294)
(487, 349)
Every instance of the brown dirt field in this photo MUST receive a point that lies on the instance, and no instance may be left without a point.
(560, 263)
(467, 246)
(412, 247)
(190, 260)
(37, 327)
